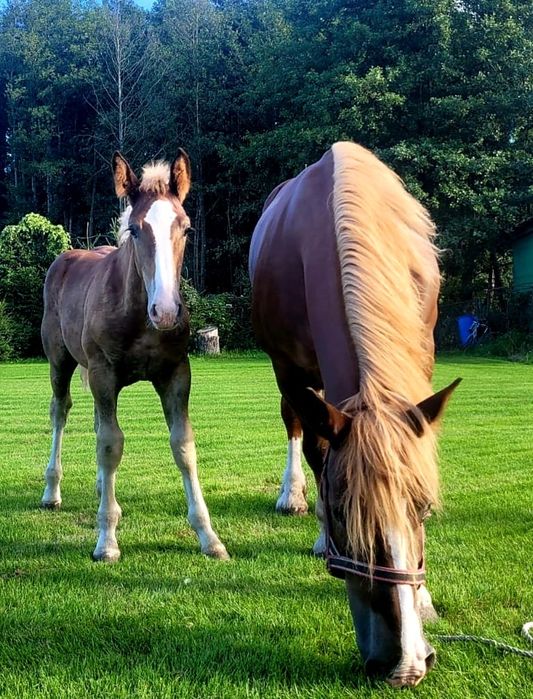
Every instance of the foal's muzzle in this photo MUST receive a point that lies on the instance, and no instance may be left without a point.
(164, 319)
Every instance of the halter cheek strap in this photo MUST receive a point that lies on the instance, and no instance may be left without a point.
(338, 565)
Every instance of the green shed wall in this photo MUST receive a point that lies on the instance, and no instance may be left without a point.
(523, 264)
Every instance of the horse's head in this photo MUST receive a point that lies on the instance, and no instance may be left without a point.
(374, 512)
(157, 225)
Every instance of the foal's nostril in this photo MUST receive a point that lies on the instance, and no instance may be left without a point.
(178, 312)
(153, 311)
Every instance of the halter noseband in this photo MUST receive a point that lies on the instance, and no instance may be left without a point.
(338, 565)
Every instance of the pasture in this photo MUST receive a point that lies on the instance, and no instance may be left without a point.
(167, 622)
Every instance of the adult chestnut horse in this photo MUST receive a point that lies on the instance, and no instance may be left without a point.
(345, 283)
(118, 313)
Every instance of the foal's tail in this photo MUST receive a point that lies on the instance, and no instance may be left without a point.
(84, 376)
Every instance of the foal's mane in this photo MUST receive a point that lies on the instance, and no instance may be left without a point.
(385, 243)
(155, 178)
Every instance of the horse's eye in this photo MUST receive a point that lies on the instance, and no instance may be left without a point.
(134, 231)
(189, 231)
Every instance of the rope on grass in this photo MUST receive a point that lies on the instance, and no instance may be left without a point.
(526, 633)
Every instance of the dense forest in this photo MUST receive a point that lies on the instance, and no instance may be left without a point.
(256, 89)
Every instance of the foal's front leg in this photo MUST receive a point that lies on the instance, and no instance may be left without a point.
(109, 447)
(174, 394)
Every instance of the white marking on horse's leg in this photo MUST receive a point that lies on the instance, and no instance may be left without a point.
(98, 482)
(293, 488)
(319, 547)
(184, 451)
(54, 471)
(109, 447)
(414, 649)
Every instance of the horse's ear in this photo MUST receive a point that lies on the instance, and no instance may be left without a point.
(180, 175)
(431, 408)
(126, 182)
(324, 419)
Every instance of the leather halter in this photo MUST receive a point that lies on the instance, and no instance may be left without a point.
(338, 565)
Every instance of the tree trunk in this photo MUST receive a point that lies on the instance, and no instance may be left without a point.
(207, 340)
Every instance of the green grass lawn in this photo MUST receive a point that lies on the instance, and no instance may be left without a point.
(167, 622)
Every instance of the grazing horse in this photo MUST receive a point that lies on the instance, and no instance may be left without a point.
(345, 283)
(118, 313)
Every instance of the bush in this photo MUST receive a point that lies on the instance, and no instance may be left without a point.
(228, 312)
(6, 333)
(27, 249)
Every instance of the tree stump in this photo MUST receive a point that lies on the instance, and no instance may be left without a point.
(207, 340)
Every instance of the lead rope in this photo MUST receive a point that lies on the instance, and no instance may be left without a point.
(526, 633)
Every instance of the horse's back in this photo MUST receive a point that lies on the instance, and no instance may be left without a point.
(298, 309)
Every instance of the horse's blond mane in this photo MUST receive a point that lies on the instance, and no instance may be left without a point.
(384, 242)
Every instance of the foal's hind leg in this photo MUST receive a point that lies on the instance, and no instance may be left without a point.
(293, 488)
(109, 448)
(174, 394)
(60, 376)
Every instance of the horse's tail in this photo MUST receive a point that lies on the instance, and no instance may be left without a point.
(386, 255)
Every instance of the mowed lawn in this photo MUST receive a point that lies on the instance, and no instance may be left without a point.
(167, 622)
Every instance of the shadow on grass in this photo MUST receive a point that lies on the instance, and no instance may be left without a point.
(82, 647)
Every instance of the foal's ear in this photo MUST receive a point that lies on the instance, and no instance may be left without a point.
(431, 408)
(180, 175)
(325, 419)
(126, 182)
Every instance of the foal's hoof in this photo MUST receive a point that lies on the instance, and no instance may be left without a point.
(106, 556)
(217, 551)
(51, 505)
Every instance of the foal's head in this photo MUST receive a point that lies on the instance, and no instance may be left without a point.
(157, 226)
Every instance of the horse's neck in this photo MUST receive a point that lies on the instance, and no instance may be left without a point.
(134, 292)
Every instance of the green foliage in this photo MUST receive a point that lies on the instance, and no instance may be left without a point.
(6, 333)
(256, 91)
(230, 313)
(27, 249)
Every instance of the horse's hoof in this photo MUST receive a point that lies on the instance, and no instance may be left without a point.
(291, 505)
(217, 551)
(109, 556)
(51, 505)
(291, 508)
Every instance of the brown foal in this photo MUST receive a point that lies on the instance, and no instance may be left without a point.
(118, 313)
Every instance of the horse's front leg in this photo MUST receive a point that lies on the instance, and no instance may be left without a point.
(174, 393)
(109, 447)
(292, 496)
(314, 448)
(60, 376)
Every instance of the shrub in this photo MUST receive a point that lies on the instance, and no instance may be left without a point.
(6, 333)
(230, 313)
(27, 249)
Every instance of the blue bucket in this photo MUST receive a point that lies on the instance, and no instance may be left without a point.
(464, 325)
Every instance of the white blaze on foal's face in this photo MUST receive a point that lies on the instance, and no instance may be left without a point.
(164, 303)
